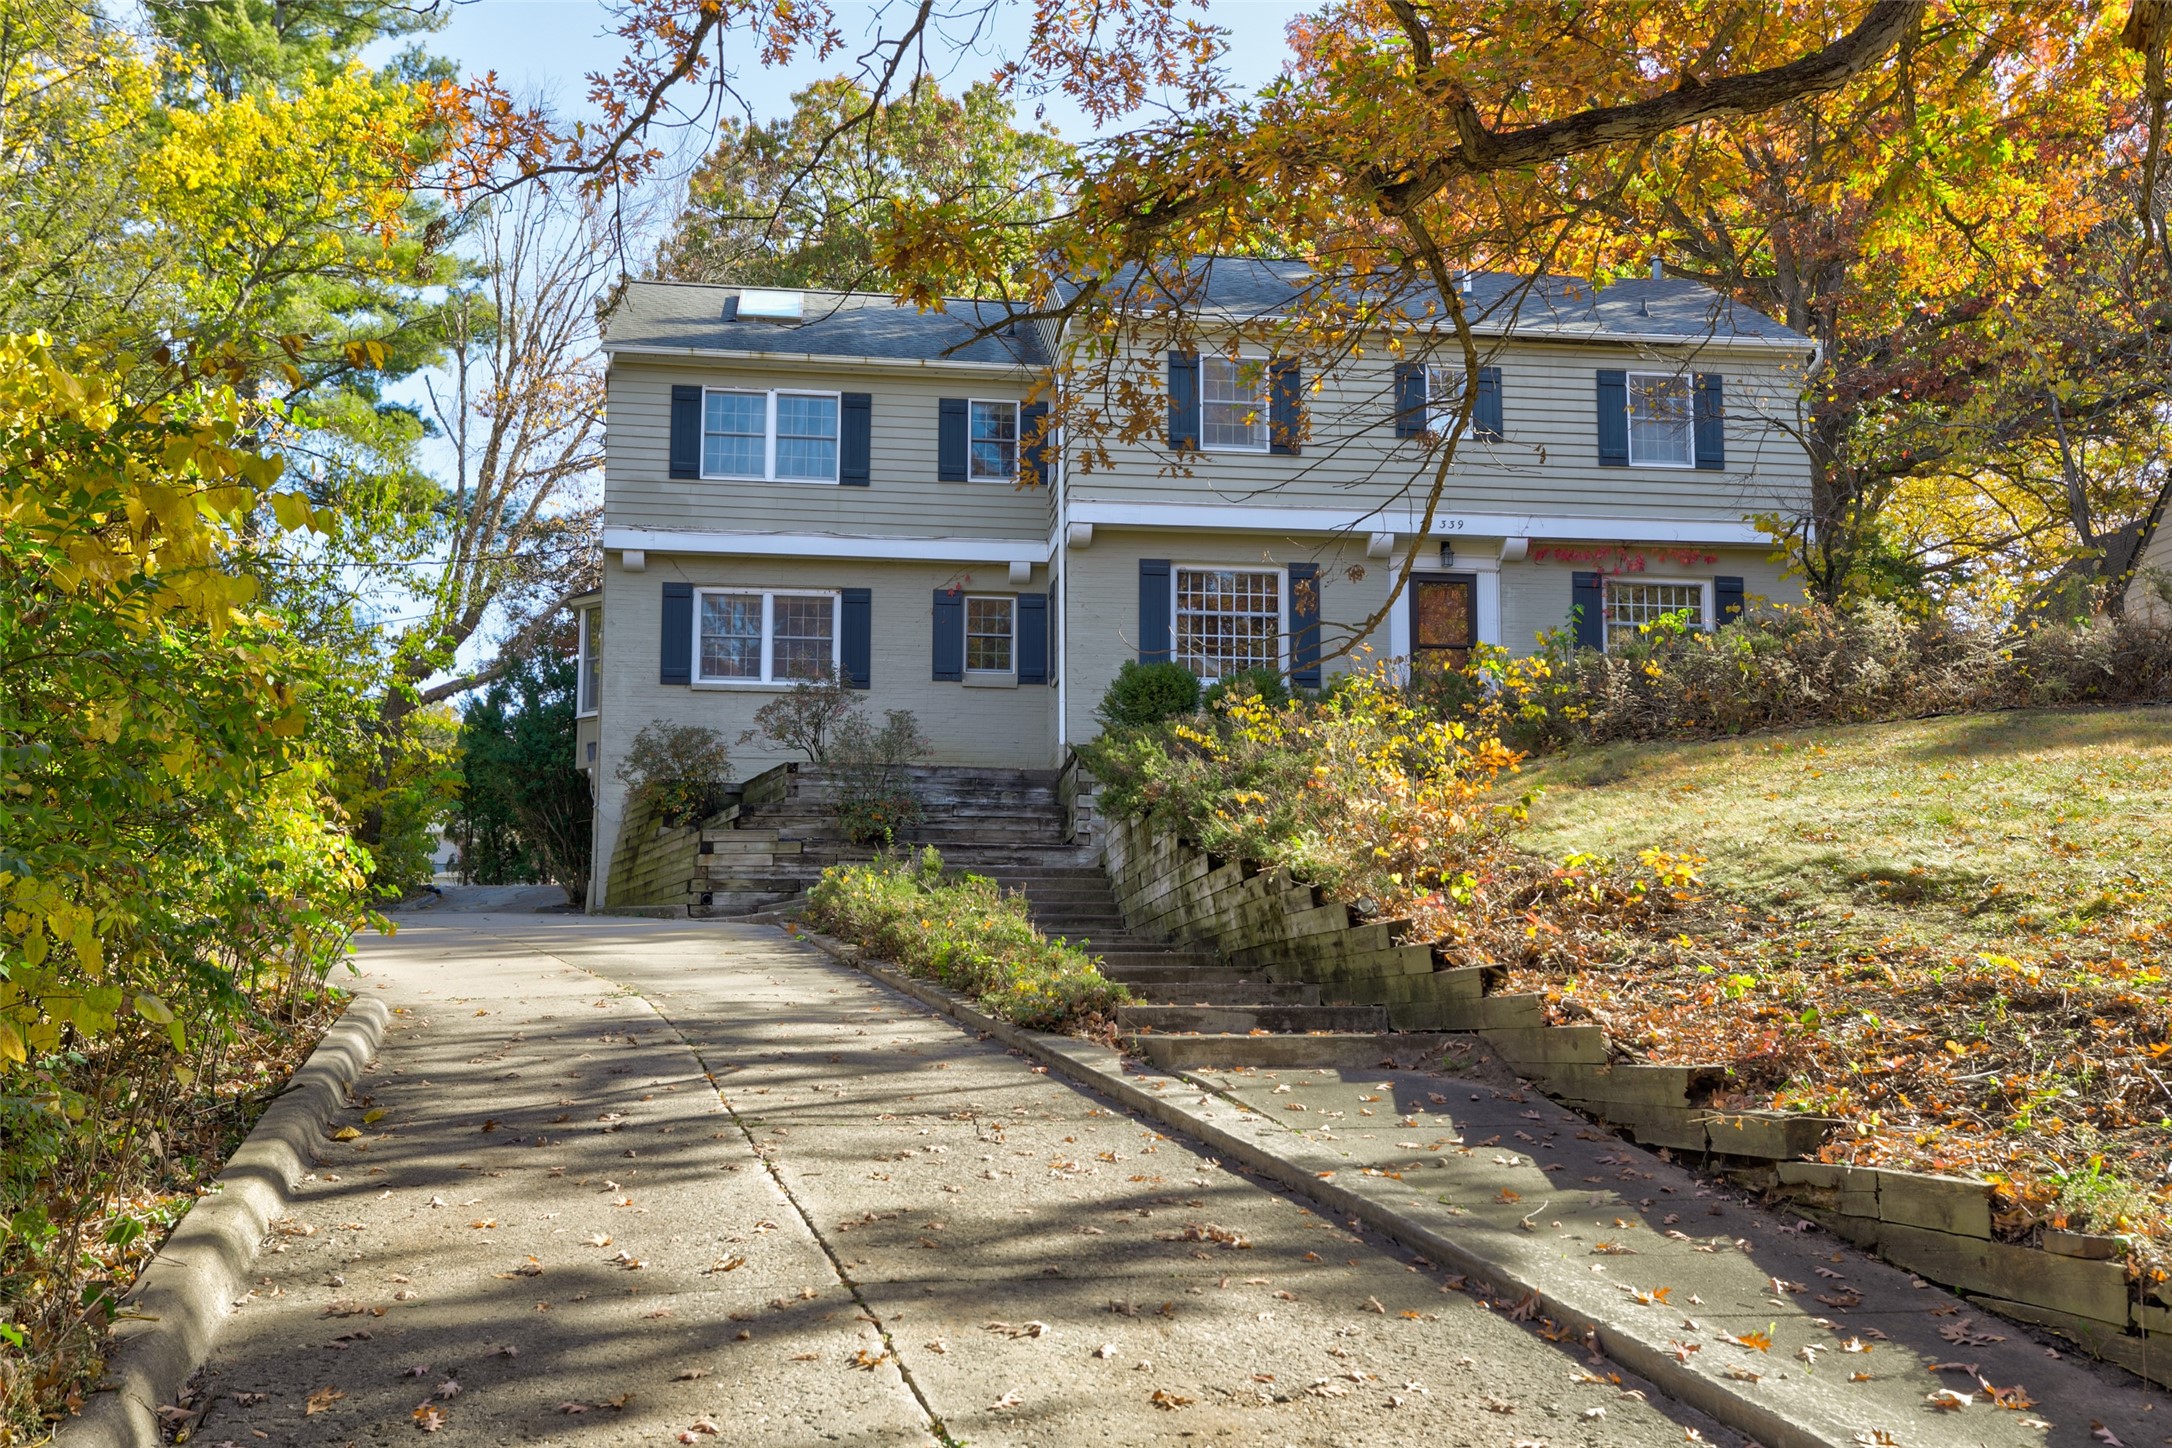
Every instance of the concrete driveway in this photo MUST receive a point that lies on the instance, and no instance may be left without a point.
(630, 1181)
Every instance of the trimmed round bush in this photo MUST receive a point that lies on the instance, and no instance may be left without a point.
(1143, 694)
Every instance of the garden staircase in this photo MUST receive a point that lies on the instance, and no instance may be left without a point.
(1012, 826)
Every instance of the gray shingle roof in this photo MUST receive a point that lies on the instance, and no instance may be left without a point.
(854, 324)
(1244, 287)
(835, 324)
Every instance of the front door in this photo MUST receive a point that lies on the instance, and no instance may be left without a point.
(1443, 618)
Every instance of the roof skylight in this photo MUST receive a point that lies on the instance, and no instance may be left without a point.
(765, 304)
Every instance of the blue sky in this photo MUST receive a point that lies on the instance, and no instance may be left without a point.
(546, 47)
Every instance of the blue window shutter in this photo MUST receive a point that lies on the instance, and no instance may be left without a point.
(1486, 416)
(1590, 606)
(1184, 401)
(677, 634)
(1032, 640)
(1711, 416)
(856, 439)
(1285, 408)
(856, 636)
(1613, 419)
(949, 635)
(1154, 605)
(1035, 447)
(1726, 600)
(950, 440)
(1410, 399)
(1305, 625)
(686, 432)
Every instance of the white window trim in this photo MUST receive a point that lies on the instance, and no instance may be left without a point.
(769, 597)
(1705, 605)
(1437, 420)
(1018, 439)
(1282, 606)
(1266, 403)
(584, 704)
(990, 675)
(1629, 417)
(769, 434)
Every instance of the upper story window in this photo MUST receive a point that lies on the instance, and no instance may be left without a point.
(993, 450)
(1443, 396)
(1228, 619)
(788, 436)
(1662, 421)
(1233, 403)
(1634, 604)
(590, 686)
(764, 636)
(990, 625)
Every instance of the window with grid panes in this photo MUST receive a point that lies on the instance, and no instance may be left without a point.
(1662, 421)
(994, 442)
(988, 627)
(806, 437)
(1632, 604)
(1233, 403)
(734, 434)
(1228, 620)
(764, 636)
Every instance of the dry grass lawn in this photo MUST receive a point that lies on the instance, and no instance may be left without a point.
(1989, 831)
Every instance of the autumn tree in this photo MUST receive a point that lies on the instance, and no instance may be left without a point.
(807, 200)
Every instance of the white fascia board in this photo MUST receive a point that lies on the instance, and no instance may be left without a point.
(1223, 519)
(823, 361)
(829, 545)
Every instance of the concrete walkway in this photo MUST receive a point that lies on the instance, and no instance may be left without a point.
(883, 1232)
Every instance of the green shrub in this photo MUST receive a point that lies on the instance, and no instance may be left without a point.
(964, 932)
(1143, 694)
(679, 770)
(1263, 684)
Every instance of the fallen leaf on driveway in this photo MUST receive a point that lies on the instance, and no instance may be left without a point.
(601, 1239)
(573, 1407)
(692, 1373)
(428, 1418)
(1167, 1401)
(320, 1400)
(1950, 1400)
(450, 1388)
(1008, 1401)
(2104, 1435)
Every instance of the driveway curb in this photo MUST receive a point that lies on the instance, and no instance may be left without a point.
(169, 1319)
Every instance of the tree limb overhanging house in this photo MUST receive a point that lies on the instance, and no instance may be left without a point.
(801, 483)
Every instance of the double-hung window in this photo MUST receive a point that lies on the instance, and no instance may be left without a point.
(591, 676)
(990, 627)
(1662, 420)
(1228, 620)
(1632, 605)
(764, 636)
(782, 436)
(1443, 396)
(993, 441)
(1233, 403)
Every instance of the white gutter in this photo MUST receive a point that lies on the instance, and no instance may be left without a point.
(821, 360)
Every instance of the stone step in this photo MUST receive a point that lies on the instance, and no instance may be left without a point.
(1241, 993)
(1326, 1051)
(1241, 1020)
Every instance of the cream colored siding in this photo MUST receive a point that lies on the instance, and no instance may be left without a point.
(968, 724)
(2150, 595)
(903, 498)
(1100, 599)
(1546, 463)
(1535, 594)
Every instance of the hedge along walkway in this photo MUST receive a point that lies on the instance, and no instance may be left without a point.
(885, 1232)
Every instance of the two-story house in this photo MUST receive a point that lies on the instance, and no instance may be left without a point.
(807, 483)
